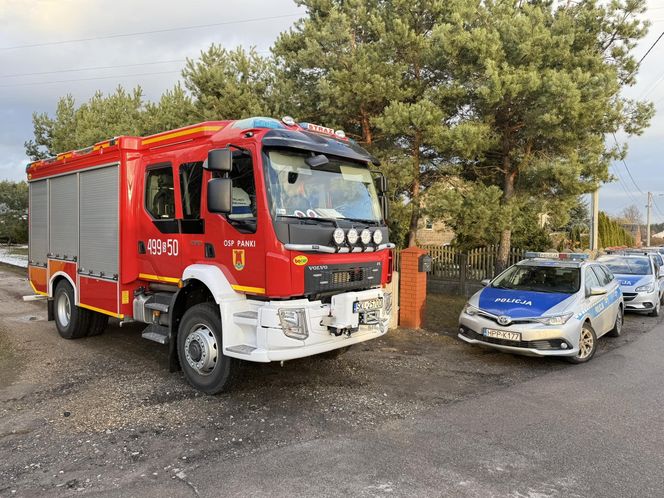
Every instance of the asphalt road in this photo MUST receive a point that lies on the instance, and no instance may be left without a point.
(412, 414)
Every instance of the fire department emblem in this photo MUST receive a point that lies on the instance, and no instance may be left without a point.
(238, 259)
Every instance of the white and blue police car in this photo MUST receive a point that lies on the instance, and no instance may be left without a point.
(638, 276)
(549, 304)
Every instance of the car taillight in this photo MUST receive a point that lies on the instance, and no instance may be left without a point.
(390, 265)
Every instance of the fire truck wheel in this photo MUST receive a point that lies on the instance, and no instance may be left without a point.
(199, 350)
(98, 323)
(71, 321)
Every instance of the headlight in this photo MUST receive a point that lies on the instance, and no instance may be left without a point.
(646, 288)
(555, 320)
(365, 236)
(352, 236)
(293, 323)
(471, 310)
(338, 236)
(377, 237)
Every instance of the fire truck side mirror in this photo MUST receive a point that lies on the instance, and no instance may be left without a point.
(220, 160)
(220, 195)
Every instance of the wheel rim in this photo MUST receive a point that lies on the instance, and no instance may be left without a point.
(586, 343)
(64, 309)
(200, 349)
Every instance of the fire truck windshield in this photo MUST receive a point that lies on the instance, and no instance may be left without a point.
(336, 190)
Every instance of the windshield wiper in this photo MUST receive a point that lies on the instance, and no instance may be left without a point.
(331, 220)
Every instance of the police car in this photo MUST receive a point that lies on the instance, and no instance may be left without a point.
(549, 304)
(639, 279)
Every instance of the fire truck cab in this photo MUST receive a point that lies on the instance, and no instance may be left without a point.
(257, 239)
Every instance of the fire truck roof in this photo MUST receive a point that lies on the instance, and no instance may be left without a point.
(284, 133)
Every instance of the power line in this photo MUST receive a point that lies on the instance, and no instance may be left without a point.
(625, 164)
(91, 68)
(155, 31)
(88, 79)
(651, 47)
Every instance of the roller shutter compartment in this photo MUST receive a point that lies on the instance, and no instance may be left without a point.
(63, 202)
(38, 211)
(99, 222)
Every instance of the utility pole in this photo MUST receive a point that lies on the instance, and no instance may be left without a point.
(648, 209)
(594, 223)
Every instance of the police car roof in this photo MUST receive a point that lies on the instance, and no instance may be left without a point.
(560, 263)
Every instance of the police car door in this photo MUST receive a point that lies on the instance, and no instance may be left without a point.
(612, 299)
(599, 318)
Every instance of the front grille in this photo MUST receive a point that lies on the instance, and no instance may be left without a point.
(544, 344)
(323, 278)
(628, 296)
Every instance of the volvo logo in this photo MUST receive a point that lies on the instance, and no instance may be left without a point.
(504, 320)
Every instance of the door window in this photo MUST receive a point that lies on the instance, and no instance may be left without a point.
(191, 183)
(159, 193)
(591, 280)
(243, 213)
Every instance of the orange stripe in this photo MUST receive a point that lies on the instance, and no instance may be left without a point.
(182, 133)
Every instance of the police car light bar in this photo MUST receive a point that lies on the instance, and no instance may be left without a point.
(556, 255)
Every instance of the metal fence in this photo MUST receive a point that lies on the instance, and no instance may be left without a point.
(461, 272)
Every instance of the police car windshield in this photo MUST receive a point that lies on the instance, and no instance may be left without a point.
(621, 265)
(336, 190)
(564, 280)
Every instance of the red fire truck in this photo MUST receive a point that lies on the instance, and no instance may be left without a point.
(257, 239)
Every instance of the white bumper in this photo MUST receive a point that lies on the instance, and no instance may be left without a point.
(255, 332)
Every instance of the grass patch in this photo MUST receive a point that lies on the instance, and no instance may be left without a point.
(442, 313)
(16, 250)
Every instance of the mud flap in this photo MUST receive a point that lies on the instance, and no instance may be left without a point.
(50, 310)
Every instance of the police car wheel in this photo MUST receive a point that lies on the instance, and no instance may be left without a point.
(71, 321)
(618, 325)
(204, 365)
(587, 345)
(658, 307)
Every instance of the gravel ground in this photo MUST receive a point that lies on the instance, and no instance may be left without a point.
(103, 413)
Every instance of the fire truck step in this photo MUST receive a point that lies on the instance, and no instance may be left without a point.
(156, 333)
(246, 318)
(242, 349)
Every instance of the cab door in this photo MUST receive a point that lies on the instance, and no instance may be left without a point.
(600, 317)
(159, 241)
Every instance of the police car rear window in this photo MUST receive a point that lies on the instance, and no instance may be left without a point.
(540, 279)
(626, 266)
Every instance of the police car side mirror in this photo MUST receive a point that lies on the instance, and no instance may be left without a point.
(220, 195)
(486, 282)
(597, 291)
(220, 160)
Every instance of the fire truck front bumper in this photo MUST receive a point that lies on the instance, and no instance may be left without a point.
(285, 330)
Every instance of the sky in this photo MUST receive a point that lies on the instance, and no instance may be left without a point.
(35, 37)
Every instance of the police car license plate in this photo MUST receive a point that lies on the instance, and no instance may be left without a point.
(502, 334)
(368, 305)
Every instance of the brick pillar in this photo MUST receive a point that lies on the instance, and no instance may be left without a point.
(413, 289)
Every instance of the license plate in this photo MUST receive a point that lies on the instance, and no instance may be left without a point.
(502, 334)
(368, 305)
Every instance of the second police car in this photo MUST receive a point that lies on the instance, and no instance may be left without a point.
(549, 304)
(639, 279)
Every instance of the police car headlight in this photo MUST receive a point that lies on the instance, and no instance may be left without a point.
(293, 323)
(646, 288)
(556, 320)
(471, 310)
(352, 236)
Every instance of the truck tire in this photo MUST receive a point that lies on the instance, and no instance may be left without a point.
(199, 349)
(98, 323)
(71, 321)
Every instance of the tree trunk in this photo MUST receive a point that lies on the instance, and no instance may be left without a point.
(415, 193)
(506, 234)
(367, 136)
